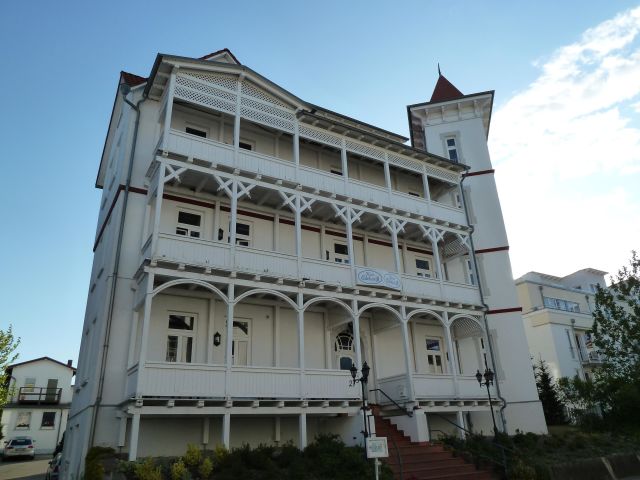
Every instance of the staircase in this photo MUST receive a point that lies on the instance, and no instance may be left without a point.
(424, 460)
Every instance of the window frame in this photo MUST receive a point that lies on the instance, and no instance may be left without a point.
(189, 228)
(184, 338)
(341, 258)
(455, 148)
(197, 127)
(23, 427)
(250, 143)
(53, 422)
(421, 272)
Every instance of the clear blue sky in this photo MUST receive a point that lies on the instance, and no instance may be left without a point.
(367, 59)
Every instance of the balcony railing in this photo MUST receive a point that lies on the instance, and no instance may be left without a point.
(218, 153)
(212, 254)
(161, 379)
(39, 395)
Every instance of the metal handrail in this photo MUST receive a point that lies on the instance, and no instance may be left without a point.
(39, 394)
(407, 413)
(502, 448)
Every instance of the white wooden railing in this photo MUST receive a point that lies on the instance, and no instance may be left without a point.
(219, 153)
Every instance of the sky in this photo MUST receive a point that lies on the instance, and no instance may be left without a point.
(564, 140)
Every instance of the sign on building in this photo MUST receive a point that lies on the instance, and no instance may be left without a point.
(378, 278)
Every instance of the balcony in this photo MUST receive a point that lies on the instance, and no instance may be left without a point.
(39, 395)
(160, 379)
(434, 387)
(213, 152)
(217, 255)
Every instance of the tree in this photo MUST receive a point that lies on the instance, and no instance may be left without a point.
(616, 325)
(8, 345)
(547, 391)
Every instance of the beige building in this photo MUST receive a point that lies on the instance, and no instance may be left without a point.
(557, 316)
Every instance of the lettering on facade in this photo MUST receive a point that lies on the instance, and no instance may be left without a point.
(378, 278)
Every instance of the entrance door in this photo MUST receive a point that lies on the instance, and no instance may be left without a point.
(344, 350)
(240, 344)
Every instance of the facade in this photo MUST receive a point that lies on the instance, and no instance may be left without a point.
(327, 241)
(40, 393)
(557, 316)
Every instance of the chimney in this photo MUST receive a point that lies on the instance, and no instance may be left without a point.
(69, 363)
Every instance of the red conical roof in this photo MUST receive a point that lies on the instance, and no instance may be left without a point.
(445, 91)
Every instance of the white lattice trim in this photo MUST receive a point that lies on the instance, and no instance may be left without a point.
(442, 174)
(266, 108)
(320, 136)
(405, 163)
(227, 82)
(267, 119)
(251, 90)
(210, 101)
(365, 150)
(207, 88)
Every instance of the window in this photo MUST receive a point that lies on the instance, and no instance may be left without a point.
(245, 146)
(48, 420)
(240, 344)
(189, 224)
(340, 253)
(180, 338)
(452, 149)
(336, 170)
(559, 304)
(434, 355)
(243, 234)
(24, 420)
(196, 131)
(471, 277)
(344, 350)
(29, 384)
(423, 267)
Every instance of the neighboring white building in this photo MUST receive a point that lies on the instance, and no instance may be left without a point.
(557, 316)
(327, 241)
(40, 393)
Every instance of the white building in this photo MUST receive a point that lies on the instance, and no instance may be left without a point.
(327, 241)
(557, 316)
(40, 393)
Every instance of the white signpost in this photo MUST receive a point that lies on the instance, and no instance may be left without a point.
(377, 448)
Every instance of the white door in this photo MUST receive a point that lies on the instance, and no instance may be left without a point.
(240, 344)
(434, 355)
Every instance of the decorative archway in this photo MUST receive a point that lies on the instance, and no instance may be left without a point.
(201, 283)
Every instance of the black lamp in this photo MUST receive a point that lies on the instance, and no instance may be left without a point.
(217, 338)
(364, 378)
(488, 380)
(365, 372)
(354, 371)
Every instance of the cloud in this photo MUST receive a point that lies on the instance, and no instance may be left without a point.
(567, 154)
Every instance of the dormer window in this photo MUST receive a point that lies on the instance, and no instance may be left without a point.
(452, 149)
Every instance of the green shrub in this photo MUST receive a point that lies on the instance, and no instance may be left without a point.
(93, 468)
(205, 469)
(147, 470)
(193, 457)
(179, 471)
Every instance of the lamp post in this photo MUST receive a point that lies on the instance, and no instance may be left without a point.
(488, 381)
(364, 378)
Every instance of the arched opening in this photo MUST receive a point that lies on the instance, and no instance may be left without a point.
(469, 343)
(430, 344)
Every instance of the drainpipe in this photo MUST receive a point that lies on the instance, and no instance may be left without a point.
(124, 89)
(484, 315)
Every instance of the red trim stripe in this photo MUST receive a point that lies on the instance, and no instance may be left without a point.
(190, 201)
(504, 310)
(479, 172)
(494, 249)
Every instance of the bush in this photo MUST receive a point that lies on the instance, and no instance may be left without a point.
(205, 469)
(148, 471)
(179, 471)
(193, 457)
(93, 467)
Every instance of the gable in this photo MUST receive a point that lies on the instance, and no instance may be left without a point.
(222, 56)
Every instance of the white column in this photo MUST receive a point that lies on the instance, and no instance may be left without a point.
(236, 122)
(394, 241)
(276, 232)
(276, 336)
(226, 430)
(298, 221)
(229, 338)
(356, 332)
(436, 258)
(144, 334)
(216, 222)
(407, 353)
(158, 208)
(205, 430)
(168, 111)
(133, 437)
(352, 254)
(122, 431)
(425, 185)
(345, 163)
(462, 423)
(133, 338)
(303, 430)
(453, 360)
(276, 430)
(233, 221)
(387, 177)
(296, 146)
(300, 302)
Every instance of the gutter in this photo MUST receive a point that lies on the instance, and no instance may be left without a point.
(116, 267)
(482, 301)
